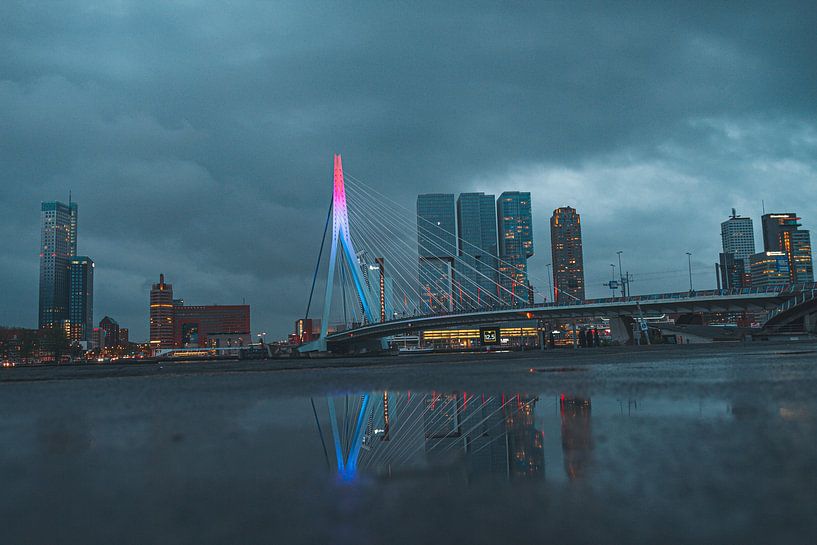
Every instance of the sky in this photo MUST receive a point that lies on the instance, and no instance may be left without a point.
(197, 137)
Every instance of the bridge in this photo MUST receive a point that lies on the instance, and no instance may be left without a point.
(378, 276)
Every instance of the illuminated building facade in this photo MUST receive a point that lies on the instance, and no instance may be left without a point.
(162, 324)
(568, 262)
(58, 243)
(81, 298)
(437, 247)
(769, 269)
(781, 233)
(512, 335)
(307, 329)
(515, 234)
(475, 283)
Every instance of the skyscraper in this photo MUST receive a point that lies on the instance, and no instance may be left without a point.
(568, 263)
(781, 233)
(738, 238)
(798, 252)
(515, 233)
(58, 243)
(475, 281)
(81, 298)
(773, 226)
(437, 247)
(161, 315)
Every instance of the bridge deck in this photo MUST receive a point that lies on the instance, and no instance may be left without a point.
(743, 300)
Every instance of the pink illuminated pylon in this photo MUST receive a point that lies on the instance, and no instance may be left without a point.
(341, 234)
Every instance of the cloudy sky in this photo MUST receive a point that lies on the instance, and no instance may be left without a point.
(198, 137)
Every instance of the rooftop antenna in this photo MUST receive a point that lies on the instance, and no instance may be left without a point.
(734, 214)
(763, 206)
(69, 198)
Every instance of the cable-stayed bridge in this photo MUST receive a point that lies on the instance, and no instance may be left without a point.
(391, 271)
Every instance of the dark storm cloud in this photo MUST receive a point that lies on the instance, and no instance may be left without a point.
(197, 137)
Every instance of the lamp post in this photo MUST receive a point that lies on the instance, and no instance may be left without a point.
(620, 272)
(689, 262)
(612, 279)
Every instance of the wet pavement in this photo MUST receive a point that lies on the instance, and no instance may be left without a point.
(693, 444)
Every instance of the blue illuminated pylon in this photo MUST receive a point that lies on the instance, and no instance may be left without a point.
(341, 236)
(347, 466)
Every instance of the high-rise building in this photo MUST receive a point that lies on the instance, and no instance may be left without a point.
(515, 233)
(161, 314)
(437, 248)
(798, 252)
(738, 238)
(112, 332)
(781, 233)
(774, 225)
(475, 280)
(58, 243)
(81, 298)
(568, 262)
(769, 269)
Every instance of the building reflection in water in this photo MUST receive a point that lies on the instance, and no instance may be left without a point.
(577, 441)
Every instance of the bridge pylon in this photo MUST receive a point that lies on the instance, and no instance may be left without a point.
(341, 239)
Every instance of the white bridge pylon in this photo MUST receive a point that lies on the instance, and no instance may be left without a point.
(341, 236)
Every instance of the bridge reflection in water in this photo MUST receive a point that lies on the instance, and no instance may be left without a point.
(461, 434)
(466, 436)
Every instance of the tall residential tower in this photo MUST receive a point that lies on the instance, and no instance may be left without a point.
(162, 323)
(568, 262)
(58, 243)
(81, 298)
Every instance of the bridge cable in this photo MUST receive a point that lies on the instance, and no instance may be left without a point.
(458, 259)
(356, 181)
(318, 263)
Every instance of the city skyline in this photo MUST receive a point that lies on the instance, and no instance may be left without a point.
(225, 188)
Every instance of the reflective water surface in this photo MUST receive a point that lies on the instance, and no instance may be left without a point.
(273, 458)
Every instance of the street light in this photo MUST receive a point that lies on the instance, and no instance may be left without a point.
(689, 262)
(621, 272)
(612, 283)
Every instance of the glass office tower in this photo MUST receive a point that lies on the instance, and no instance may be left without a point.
(475, 281)
(437, 247)
(515, 232)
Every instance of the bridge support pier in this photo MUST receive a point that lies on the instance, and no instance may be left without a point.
(621, 329)
(810, 323)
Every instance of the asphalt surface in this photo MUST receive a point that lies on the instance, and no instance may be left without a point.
(687, 444)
